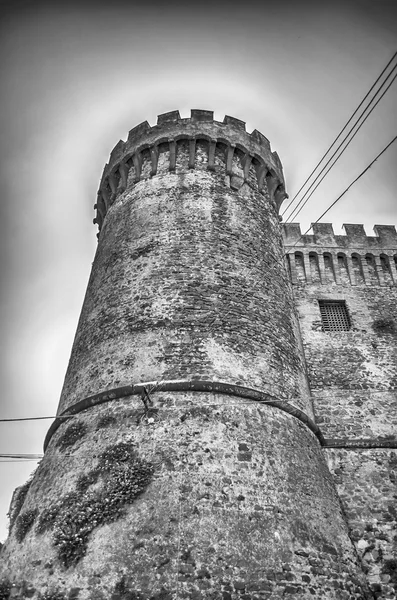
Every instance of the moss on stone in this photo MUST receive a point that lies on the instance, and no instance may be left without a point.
(123, 590)
(18, 501)
(124, 477)
(5, 589)
(52, 596)
(196, 412)
(47, 518)
(24, 523)
(86, 480)
(384, 325)
(389, 567)
(106, 421)
(72, 434)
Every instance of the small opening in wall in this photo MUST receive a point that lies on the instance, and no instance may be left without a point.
(334, 315)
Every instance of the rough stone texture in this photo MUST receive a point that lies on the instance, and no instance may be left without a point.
(188, 282)
(366, 482)
(240, 503)
(213, 484)
(353, 378)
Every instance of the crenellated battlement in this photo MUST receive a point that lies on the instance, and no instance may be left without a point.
(225, 140)
(323, 236)
(354, 258)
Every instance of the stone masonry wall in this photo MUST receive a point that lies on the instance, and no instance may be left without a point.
(240, 505)
(188, 280)
(366, 480)
(353, 378)
(185, 462)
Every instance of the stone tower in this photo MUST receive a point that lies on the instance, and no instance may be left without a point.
(185, 461)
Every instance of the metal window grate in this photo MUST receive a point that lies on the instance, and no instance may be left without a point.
(334, 315)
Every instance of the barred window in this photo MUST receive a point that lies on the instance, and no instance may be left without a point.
(334, 315)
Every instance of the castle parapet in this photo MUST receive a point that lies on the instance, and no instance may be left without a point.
(323, 236)
(230, 138)
(387, 235)
(354, 258)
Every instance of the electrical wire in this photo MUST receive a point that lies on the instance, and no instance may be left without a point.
(33, 418)
(17, 457)
(343, 193)
(19, 460)
(360, 442)
(340, 133)
(295, 212)
(22, 456)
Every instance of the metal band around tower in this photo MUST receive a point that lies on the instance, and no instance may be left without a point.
(190, 385)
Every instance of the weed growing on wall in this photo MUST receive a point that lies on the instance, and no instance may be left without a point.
(52, 596)
(47, 518)
(384, 325)
(86, 480)
(18, 500)
(124, 590)
(124, 476)
(5, 589)
(24, 523)
(106, 421)
(73, 433)
(390, 568)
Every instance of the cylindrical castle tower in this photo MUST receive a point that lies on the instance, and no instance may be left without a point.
(185, 462)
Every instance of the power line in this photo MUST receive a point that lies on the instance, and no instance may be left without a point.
(33, 418)
(340, 133)
(22, 456)
(295, 212)
(357, 178)
(344, 192)
(328, 443)
(18, 457)
(19, 460)
(69, 416)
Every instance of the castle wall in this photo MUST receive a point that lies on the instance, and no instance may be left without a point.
(239, 505)
(353, 378)
(188, 282)
(366, 480)
(190, 465)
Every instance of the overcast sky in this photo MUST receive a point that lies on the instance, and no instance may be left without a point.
(75, 77)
